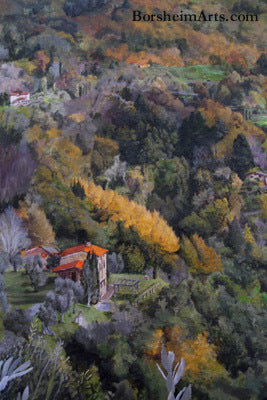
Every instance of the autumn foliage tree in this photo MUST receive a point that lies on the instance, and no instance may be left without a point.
(200, 356)
(201, 258)
(150, 225)
(228, 125)
(39, 227)
(41, 61)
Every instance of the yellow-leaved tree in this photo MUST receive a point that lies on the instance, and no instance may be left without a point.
(200, 356)
(201, 258)
(264, 207)
(248, 235)
(39, 228)
(150, 225)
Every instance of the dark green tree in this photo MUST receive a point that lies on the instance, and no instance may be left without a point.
(244, 272)
(171, 177)
(235, 238)
(194, 132)
(90, 279)
(262, 63)
(124, 391)
(4, 99)
(242, 158)
(78, 190)
(89, 386)
(126, 4)
(171, 192)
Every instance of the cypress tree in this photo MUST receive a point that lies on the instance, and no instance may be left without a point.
(90, 279)
(242, 158)
(235, 238)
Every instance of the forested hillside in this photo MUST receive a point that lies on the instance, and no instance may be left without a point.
(149, 140)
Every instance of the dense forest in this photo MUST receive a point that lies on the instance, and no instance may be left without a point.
(148, 140)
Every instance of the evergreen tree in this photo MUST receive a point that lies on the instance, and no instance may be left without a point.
(126, 4)
(243, 272)
(78, 190)
(235, 239)
(242, 158)
(262, 64)
(124, 391)
(194, 132)
(90, 279)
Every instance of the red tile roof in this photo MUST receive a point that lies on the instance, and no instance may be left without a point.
(18, 93)
(75, 249)
(99, 251)
(259, 173)
(28, 251)
(74, 264)
(45, 250)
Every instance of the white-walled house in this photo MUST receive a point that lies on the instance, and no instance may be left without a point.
(18, 98)
(258, 176)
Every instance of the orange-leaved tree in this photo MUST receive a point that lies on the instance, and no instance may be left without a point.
(201, 258)
(200, 356)
(42, 60)
(150, 225)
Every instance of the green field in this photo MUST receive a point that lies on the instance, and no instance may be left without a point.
(260, 121)
(19, 291)
(20, 294)
(66, 330)
(190, 73)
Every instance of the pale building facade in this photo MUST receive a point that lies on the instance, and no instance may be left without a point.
(72, 260)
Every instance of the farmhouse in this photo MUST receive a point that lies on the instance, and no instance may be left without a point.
(42, 251)
(71, 264)
(259, 176)
(19, 98)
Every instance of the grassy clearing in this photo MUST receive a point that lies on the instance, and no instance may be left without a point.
(19, 291)
(7, 107)
(191, 73)
(125, 293)
(65, 330)
(20, 294)
(199, 72)
(260, 121)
